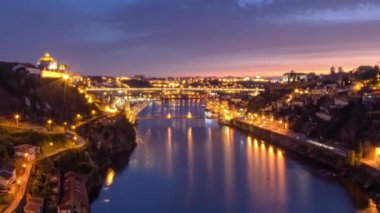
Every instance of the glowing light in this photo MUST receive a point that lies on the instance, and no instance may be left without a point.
(51, 144)
(279, 153)
(168, 116)
(189, 115)
(377, 151)
(110, 110)
(262, 146)
(65, 77)
(110, 177)
(270, 150)
(249, 141)
(23, 165)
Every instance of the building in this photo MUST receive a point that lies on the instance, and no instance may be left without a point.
(26, 151)
(75, 197)
(50, 68)
(7, 178)
(294, 77)
(34, 205)
(28, 67)
(323, 116)
(47, 62)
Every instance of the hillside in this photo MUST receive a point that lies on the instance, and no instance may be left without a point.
(37, 99)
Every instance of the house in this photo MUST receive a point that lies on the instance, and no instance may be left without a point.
(26, 151)
(75, 197)
(7, 178)
(28, 67)
(34, 205)
(341, 101)
(323, 116)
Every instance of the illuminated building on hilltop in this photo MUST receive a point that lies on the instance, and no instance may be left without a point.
(50, 68)
(47, 62)
(294, 77)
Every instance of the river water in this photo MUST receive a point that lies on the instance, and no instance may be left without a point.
(196, 165)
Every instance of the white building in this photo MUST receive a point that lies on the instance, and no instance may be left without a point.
(26, 151)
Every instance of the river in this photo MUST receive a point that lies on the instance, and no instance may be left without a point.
(196, 165)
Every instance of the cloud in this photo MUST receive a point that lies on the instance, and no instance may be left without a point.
(163, 36)
(246, 3)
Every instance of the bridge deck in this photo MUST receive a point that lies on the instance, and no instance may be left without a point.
(171, 118)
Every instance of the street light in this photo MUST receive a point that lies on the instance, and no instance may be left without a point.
(17, 117)
(51, 144)
(49, 122)
(26, 155)
(79, 116)
(65, 77)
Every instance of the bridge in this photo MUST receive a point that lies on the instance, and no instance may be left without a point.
(159, 89)
(132, 114)
(179, 117)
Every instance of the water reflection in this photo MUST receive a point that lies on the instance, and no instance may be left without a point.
(169, 153)
(199, 166)
(109, 177)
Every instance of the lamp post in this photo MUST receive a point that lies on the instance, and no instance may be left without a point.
(17, 118)
(49, 122)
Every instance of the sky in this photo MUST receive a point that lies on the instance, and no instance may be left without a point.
(192, 37)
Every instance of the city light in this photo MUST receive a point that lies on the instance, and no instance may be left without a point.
(65, 77)
(17, 118)
(377, 151)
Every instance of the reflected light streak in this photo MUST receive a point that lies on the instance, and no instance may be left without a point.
(249, 141)
(169, 153)
(256, 144)
(262, 146)
(209, 154)
(109, 178)
(190, 154)
(229, 170)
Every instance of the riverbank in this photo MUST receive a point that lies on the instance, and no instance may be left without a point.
(105, 139)
(362, 175)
